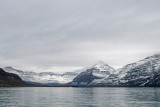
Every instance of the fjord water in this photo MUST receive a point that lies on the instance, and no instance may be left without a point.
(79, 97)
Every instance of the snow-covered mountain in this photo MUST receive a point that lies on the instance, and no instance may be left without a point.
(98, 72)
(43, 77)
(145, 72)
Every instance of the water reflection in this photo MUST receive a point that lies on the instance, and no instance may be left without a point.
(79, 97)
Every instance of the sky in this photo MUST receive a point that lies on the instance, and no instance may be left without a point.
(69, 35)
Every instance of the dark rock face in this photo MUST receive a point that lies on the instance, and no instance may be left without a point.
(10, 79)
(84, 78)
(157, 79)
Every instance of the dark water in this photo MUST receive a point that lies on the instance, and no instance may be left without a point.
(79, 97)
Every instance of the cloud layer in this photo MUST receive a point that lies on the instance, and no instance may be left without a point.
(66, 35)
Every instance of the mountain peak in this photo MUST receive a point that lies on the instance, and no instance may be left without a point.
(103, 67)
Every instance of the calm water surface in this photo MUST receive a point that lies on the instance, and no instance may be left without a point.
(79, 97)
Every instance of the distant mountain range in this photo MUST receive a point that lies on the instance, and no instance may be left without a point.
(43, 78)
(143, 73)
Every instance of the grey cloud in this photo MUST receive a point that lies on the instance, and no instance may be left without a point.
(50, 33)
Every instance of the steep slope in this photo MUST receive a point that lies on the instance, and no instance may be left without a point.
(10, 79)
(98, 72)
(142, 73)
(43, 77)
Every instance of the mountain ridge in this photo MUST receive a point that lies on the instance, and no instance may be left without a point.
(143, 73)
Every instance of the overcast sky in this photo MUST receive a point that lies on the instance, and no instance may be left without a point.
(67, 35)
